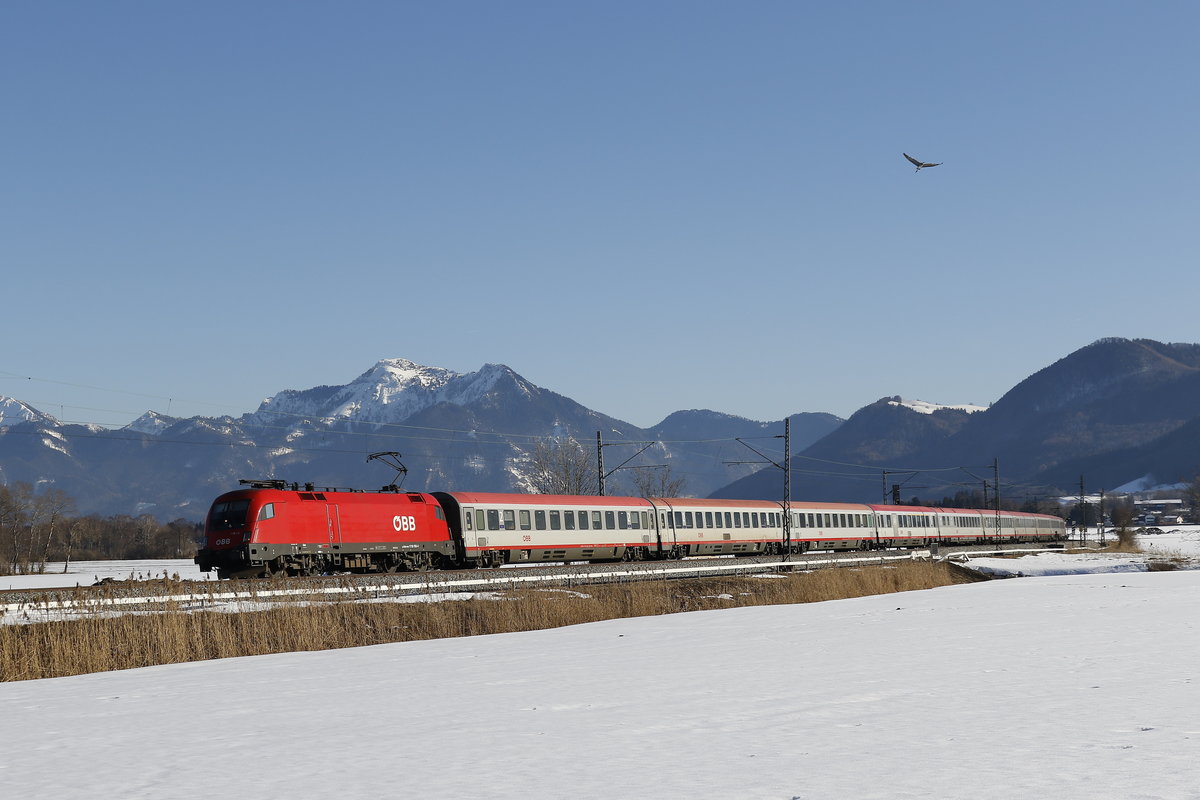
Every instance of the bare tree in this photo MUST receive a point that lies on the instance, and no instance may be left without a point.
(16, 527)
(1122, 516)
(72, 533)
(562, 467)
(1192, 493)
(51, 507)
(655, 482)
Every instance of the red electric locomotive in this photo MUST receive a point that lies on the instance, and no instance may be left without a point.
(272, 527)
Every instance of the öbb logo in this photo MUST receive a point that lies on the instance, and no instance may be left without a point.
(404, 523)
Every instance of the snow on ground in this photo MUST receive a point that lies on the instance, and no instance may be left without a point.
(86, 573)
(922, 407)
(1181, 543)
(1078, 686)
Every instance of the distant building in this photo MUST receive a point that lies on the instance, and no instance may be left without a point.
(1160, 511)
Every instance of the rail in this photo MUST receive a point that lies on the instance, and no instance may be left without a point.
(416, 584)
(449, 584)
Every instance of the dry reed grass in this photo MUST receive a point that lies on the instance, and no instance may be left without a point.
(104, 642)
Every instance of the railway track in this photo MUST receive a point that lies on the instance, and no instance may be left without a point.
(166, 595)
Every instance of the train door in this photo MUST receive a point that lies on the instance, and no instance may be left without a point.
(333, 523)
(664, 528)
(471, 525)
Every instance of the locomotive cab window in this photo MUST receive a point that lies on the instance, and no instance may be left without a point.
(228, 515)
(267, 511)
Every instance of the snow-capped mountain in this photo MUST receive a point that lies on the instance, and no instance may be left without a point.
(14, 412)
(151, 423)
(392, 391)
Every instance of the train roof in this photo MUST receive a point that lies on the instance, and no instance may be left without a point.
(940, 510)
(709, 502)
(516, 499)
(500, 498)
(309, 492)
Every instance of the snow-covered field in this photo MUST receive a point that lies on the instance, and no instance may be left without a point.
(86, 573)
(1064, 686)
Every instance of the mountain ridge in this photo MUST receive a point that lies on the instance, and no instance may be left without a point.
(1115, 407)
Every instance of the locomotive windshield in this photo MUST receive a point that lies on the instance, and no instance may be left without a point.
(228, 515)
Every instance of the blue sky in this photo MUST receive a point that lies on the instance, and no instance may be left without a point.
(645, 206)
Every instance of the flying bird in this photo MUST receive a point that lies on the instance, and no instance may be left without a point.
(921, 164)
